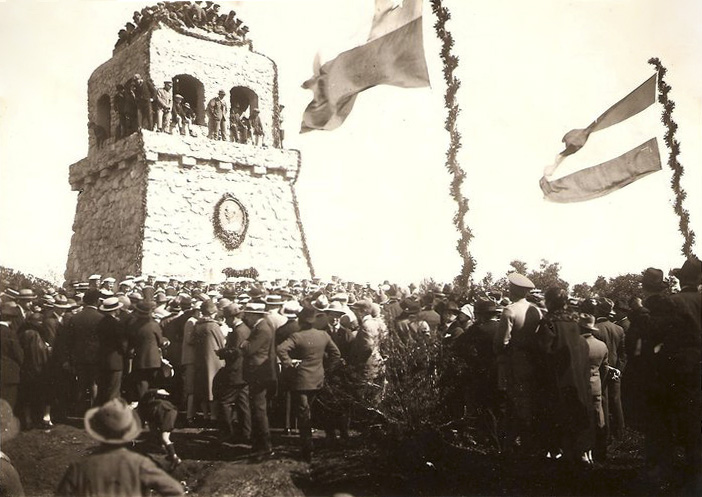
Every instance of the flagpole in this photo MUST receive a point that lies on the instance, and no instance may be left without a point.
(450, 63)
(674, 150)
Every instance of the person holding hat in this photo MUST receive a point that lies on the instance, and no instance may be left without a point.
(515, 376)
(261, 373)
(113, 469)
(217, 117)
(309, 347)
(145, 341)
(599, 366)
(83, 345)
(113, 341)
(207, 339)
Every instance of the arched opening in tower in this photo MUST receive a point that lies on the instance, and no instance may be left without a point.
(103, 118)
(193, 92)
(242, 97)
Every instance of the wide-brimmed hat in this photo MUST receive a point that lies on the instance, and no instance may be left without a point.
(364, 306)
(291, 309)
(26, 294)
(520, 280)
(232, 310)
(652, 280)
(111, 304)
(143, 308)
(486, 306)
(321, 303)
(208, 307)
(10, 309)
(691, 272)
(308, 315)
(336, 307)
(61, 302)
(587, 322)
(605, 306)
(273, 299)
(113, 423)
(255, 308)
(410, 306)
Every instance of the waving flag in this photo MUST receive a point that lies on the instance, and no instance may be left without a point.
(611, 175)
(392, 55)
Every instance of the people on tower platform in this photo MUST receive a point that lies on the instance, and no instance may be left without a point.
(239, 348)
(217, 117)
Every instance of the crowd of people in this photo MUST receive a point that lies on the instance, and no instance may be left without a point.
(560, 377)
(185, 15)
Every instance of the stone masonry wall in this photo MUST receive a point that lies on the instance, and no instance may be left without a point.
(217, 67)
(179, 237)
(107, 229)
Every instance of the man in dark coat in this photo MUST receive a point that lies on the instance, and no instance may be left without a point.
(566, 414)
(260, 372)
(145, 343)
(83, 345)
(217, 117)
(11, 354)
(308, 347)
(113, 348)
(613, 337)
(144, 98)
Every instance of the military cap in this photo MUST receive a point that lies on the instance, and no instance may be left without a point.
(520, 280)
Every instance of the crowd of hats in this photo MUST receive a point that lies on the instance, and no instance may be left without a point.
(185, 15)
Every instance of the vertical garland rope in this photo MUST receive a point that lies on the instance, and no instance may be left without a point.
(450, 63)
(674, 149)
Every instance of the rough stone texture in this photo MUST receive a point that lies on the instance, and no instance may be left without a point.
(147, 201)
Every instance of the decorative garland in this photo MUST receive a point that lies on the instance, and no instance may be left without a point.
(674, 149)
(251, 272)
(231, 239)
(276, 108)
(305, 248)
(452, 85)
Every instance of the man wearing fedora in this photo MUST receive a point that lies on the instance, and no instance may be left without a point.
(145, 343)
(599, 366)
(217, 117)
(83, 345)
(113, 469)
(261, 373)
(112, 351)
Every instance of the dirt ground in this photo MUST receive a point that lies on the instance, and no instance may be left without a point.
(360, 468)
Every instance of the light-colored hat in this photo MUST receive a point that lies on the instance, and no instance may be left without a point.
(94, 277)
(336, 307)
(255, 308)
(321, 303)
(273, 299)
(291, 308)
(111, 304)
(109, 279)
(113, 423)
(520, 280)
(340, 297)
(26, 294)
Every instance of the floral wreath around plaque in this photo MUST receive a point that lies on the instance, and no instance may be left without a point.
(230, 221)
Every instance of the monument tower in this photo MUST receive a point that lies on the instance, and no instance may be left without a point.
(174, 204)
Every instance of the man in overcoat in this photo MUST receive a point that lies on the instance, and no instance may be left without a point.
(145, 343)
(84, 343)
(113, 348)
(217, 117)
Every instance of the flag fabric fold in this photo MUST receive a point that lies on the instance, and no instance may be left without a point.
(393, 55)
(611, 175)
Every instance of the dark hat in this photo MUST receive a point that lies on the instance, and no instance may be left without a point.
(232, 310)
(691, 272)
(10, 310)
(605, 306)
(143, 308)
(113, 423)
(587, 322)
(308, 315)
(652, 280)
(208, 307)
(520, 280)
(410, 306)
(486, 306)
(622, 305)
(365, 306)
(91, 297)
(221, 92)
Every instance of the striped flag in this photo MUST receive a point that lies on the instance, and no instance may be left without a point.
(613, 174)
(392, 55)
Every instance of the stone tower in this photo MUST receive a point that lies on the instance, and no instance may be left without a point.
(177, 205)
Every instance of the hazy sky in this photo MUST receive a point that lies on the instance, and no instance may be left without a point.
(374, 193)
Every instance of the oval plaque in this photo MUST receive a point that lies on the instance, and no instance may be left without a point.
(230, 221)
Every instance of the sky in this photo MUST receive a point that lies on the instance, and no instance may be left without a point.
(374, 193)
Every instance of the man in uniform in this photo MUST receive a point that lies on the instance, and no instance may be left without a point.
(513, 344)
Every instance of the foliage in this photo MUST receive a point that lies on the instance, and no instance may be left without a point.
(546, 276)
(582, 290)
(251, 272)
(17, 280)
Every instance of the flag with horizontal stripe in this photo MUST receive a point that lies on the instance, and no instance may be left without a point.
(392, 55)
(627, 120)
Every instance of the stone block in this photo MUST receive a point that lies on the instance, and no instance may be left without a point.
(187, 161)
(150, 156)
(259, 170)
